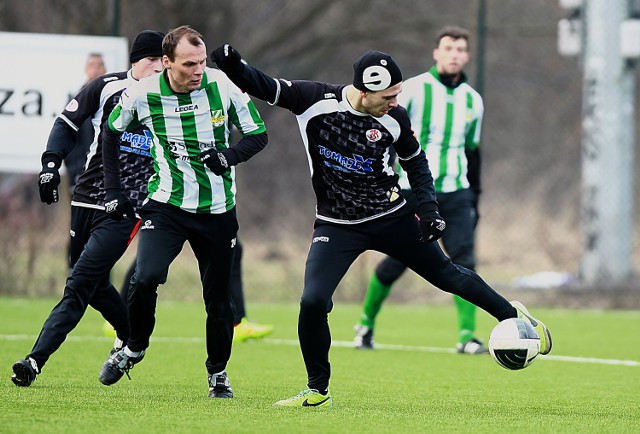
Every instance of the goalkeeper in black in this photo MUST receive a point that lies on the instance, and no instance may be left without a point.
(347, 131)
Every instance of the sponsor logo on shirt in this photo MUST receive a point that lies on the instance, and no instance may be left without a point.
(137, 143)
(179, 151)
(186, 108)
(320, 240)
(357, 163)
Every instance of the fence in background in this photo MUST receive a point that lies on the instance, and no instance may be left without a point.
(529, 231)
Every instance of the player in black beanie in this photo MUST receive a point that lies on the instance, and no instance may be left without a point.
(348, 132)
(375, 71)
(97, 242)
(147, 43)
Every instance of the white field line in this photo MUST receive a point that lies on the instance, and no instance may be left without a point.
(347, 344)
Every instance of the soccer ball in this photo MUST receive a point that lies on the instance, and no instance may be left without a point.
(514, 344)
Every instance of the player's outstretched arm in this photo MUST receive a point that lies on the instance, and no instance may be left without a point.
(246, 77)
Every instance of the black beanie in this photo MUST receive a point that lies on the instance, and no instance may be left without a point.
(148, 43)
(375, 71)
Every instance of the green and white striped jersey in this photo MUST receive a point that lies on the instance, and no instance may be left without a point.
(182, 126)
(446, 121)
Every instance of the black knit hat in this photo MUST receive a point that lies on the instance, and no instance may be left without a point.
(375, 71)
(148, 43)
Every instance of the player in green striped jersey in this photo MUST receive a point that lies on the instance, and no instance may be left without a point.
(189, 110)
(446, 116)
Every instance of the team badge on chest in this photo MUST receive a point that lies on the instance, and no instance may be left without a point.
(217, 118)
(373, 135)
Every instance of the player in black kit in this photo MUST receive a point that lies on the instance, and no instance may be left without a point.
(348, 131)
(97, 240)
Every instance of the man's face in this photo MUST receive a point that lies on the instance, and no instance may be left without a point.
(452, 55)
(94, 67)
(186, 70)
(379, 103)
(147, 66)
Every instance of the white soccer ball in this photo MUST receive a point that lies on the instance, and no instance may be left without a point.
(514, 344)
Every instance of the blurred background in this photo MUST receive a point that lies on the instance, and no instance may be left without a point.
(530, 239)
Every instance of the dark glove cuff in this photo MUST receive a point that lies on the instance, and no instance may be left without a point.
(429, 213)
(231, 155)
(51, 158)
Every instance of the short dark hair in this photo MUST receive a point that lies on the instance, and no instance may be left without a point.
(171, 40)
(453, 32)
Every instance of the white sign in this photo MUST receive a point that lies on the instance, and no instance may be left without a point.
(39, 74)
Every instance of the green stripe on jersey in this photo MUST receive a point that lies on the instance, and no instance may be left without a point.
(446, 122)
(446, 139)
(160, 130)
(426, 116)
(471, 131)
(222, 141)
(192, 145)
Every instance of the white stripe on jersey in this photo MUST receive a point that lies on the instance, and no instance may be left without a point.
(413, 94)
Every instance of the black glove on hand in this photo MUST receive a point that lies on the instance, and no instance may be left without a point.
(219, 162)
(226, 57)
(48, 181)
(117, 205)
(432, 226)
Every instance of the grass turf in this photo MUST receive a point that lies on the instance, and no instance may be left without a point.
(418, 386)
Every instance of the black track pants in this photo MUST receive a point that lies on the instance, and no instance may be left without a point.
(333, 249)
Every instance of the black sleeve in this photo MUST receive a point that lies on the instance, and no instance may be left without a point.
(62, 140)
(253, 81)
(110, 158)
(421, 182)
(473, 169)
(248, 146)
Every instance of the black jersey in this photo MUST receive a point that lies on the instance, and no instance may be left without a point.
(96, 101)
(348, 151)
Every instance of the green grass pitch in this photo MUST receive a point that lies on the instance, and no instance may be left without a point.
(413, 383)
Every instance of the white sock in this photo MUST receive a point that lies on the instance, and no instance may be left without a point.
(130, 353)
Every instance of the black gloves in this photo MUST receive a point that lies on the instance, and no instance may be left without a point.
(227, 58)
(219, 161)
(49, 180)
(432, 226)
(117, 205)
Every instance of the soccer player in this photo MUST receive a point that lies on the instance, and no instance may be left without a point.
(348, 131)
(189, 110)
(94, 67)
(446, 115)
(97, 241)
